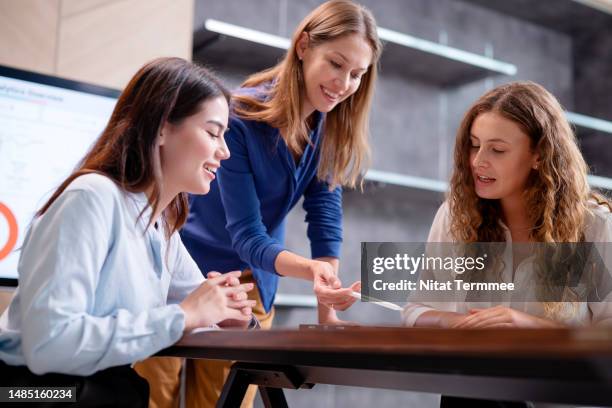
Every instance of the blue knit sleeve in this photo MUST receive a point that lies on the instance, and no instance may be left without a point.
(324, 217)
(250, 238)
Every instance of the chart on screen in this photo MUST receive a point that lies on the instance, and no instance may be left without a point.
(44, 131)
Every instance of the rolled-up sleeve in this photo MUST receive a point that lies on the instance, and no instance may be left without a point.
(601, 311)
(324, 217)
(439, 232)
(412, 311)
(249, 235)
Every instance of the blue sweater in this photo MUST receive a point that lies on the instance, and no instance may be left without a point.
(240, 223)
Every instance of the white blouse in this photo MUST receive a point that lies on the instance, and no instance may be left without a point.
(598, 230)
(97, 288)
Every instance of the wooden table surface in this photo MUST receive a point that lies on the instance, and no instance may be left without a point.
(552, 365)
(399, 340)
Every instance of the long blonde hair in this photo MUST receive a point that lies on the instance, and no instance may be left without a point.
(557, 192)
(345, 150)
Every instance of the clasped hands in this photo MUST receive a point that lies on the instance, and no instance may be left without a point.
(221, 299)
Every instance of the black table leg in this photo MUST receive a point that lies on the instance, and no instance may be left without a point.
(234, 389)
(270, 378)
(273, 397)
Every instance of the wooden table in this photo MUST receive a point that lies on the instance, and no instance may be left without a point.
(551, 365)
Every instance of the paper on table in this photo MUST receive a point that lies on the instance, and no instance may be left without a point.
(205, 329)
(381, 303)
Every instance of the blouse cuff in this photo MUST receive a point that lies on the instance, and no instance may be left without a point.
(411, 313)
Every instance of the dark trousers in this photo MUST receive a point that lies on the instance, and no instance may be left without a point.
(113, 387)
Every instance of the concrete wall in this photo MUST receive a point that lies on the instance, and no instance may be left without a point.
(593, 94)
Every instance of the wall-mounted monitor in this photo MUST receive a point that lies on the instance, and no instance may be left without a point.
(47, 124)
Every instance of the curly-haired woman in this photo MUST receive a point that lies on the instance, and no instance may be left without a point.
(519, 177)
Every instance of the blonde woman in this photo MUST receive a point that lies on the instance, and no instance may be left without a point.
(298, 130)
(519, 177)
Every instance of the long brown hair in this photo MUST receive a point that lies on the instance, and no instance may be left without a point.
(557, 193)
(127, 151)
(345, 151)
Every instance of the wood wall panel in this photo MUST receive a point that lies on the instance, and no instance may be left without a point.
(72, 7)
(28, 34)
(106, 45)
(98, 41)
(5, 298)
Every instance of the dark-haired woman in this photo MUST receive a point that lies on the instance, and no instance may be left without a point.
(104, 280)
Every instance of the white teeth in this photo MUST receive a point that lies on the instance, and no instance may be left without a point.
(331, 95)
(483, 178)
(213, 171)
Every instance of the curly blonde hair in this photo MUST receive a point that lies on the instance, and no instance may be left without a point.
(557, 192)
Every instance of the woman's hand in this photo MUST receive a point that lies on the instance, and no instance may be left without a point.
(322, 271)
(217, 299)
(348, 302)
(327, 315)
(437, 318)
(328, 288)
(502, 316)
(233, 323)
(333, 319)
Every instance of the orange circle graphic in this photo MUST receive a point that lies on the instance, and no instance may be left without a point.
(12, 231)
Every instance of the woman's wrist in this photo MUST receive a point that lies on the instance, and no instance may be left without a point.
(188, 323)
(325, 313)
(546, 323)
(437, 318)
(290, 264)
